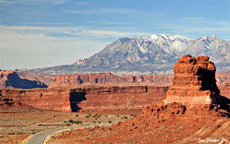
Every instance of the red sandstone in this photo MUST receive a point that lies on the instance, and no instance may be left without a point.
(194, 81)
(86, 98)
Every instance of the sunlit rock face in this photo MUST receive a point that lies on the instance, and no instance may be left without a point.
(194, 81)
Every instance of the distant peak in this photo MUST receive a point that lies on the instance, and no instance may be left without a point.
(213, 36)
(171, 37)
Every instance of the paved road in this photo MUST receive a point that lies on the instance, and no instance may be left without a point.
(39, 138)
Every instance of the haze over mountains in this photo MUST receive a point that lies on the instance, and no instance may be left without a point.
(153, 54)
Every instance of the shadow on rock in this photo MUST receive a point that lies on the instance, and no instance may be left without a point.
(75, 98)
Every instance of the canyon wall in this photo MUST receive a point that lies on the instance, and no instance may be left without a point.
(86, 98)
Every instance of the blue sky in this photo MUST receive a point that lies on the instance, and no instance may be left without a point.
(41, 33)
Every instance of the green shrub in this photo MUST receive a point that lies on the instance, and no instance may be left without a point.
(70, 121)
(77, 122)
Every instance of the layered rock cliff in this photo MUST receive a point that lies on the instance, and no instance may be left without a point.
(86, 98)
(121, 98)
(46, 99)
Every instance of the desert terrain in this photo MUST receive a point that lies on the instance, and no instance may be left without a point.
(18, 123)
(188, 107)
(114, 72)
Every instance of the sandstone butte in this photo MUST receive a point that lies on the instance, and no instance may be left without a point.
(194, 87)
(194, 81)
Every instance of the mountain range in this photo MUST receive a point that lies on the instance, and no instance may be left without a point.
(153, 54)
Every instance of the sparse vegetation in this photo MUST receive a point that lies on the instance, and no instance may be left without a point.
(68, 124)
(19, 129)
(77, 122)
(70, 121)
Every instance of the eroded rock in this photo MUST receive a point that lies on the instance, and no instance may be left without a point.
(194, 82)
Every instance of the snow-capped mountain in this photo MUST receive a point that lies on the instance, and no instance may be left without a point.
(152, 54)
(159, 49)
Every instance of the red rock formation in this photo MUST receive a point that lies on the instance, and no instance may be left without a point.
(175, 121)
(157, 109)
(121, 98)
(46, 79)
(46, 99)
(76, 80)
(10, 79)
(109, 79)
(194, 81)
(86, 98)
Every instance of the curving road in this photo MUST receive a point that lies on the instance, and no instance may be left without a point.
(39, 138)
